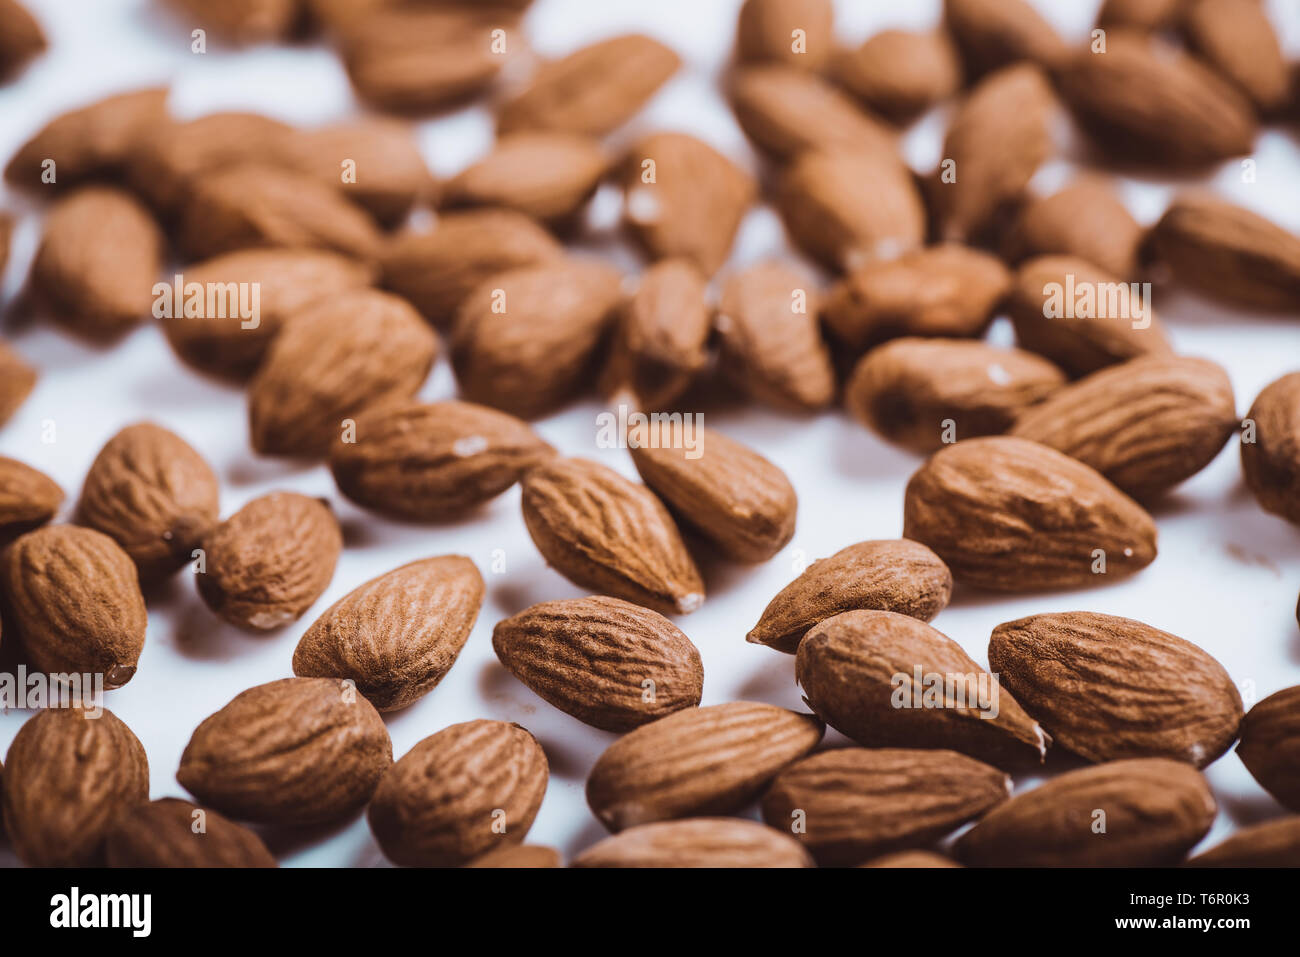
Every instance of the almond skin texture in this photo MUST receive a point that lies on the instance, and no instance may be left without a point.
(909, 390)
(1086, 219)
(610, 535)
(858, 670)
(766, 31)
(1270, 745)
(994, 33)
(1271, 462)
(715, 842)
(900, 74)
(698, 762)
(738, 500)
(67, 776)
(28, 497)
(266, 564)
(513, 856)
(527, 341)
(593, 90)
(434, 462)
(74, 598)
(447, 800)
(1146, 424)
(397, 635)
(592, 658)
(1107, 688)
(1006, 514)
(17, 379)
(894, 575)
(163, 833)
(154, 495)
(98, 261)
(1271, 844)
(858, 803)
(21, 37)
(332, 361)
(1237, 39)
(1155, 811)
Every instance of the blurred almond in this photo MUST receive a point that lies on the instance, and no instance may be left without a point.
(901, 74)
(995, 33)
(798, 33)
(1270, 745)
(1270, 448)
(713, 842)
(173, 833)
(244, 21)
(1140, 14)
(28, 498)
(21, 37)
(1237, 39)
(1085, 219)
(17, 379)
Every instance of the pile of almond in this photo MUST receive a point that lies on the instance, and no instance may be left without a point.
(1038, 465)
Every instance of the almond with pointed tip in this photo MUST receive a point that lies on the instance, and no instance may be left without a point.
(713, 842)
(901, 74)
(170, 832)
(1270, 449)
(21, 37)
(1270, 844)
(1270, 745)
(1237, 39)
(797, 33)
(1086, 219)
(994, 33)
(28, 497)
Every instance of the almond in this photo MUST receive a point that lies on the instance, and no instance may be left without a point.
(1271, 844)
(74, 598)
(1146, 424)
(28, 498)
(173, 833)
(1011, 515)
(334, 360)
(528, 340)
(1107, 688)
(433, 462)
(21, 37)
(610, 535)
(467, 790)
(1270, 448)
(721, 842)
(1237, 39)
(17, 379)
(1270, 745)
(896, 575)
(1085, 220)
(593, 90)
(68, 774)
(243, 21)
(6, 236)
(914, 391)
(98, 261)
(911, 859)
(519, 856)
(291, 753)
(397, 635)
(1139, 813)
(1140, 14)
(852, 804)
(994, 33)
(266, 564)
(697, 762)
(798, 33)
(901, 74)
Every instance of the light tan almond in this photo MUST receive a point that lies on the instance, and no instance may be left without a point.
(1270, 448)
(1237, 39)
(17, 379)
(173, 833)
(911, 859)
(994, 33)
(1085, 219)
(798, 33)
(519, 856)
(1270, 844)
(722, 842)
(1270, 745)
(900, 74)
(28, 497)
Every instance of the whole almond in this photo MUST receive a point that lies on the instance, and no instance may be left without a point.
(798, 33)
(68, 774)
(17, 379)
(894, 575)
(1237, 39)
(519, 856)
(1107, 688)
(1270, 448)
(467, 790)
(397, 635)
(527, 341)
(1146, 424)
(170, 832)
(715, 842)
(697, 762)
(98, 261)
(911, 859)
(1270, 844)
(74, 598)
(1007, 514)
(154, 495)
(994, 33)
(853, 804)
(914, 391)
(291, 753)
(266, 564)
(433, 462)
(901, 74)
(21, 37)
(335, 359)
(28, 497)
(1152, 810)
(242, 21)
(610, 535)
(1086, 220)
(1140, 14)
(1270, 745)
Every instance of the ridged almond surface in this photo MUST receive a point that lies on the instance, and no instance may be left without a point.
(242, 21)
(910, 860)
(467, 790)
(1087, 220)
(266, 564)
(609, 663)
(1270, 745)
(1139, 813)
(1007, 514)
(1140, 14)
(901, 74)
(798, 33)
(1271, 462)
(1271, 844)
(1237, 39)
(995, 33)
(853, 804)
(173, 833)
(21, 37)
(611, 535)
(17, 379)
(721, 842)
(28, 497)
(514, 856)
(697, 762)
(894, 575)
(1146, 424)
(1108, 688)
(397, 635)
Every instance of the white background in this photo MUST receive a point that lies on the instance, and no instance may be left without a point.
(1226, 578)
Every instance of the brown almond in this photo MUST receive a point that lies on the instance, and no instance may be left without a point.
(1270, 745)
(1107, 688)
(611, 535)
(291, 753)
(265, 565)
(901, 74)
(469, 789)
(173, 833)
(1140, 14)
(697, 762)
(1139, 813)
(797, 33)
(28, 498)
(1086, 220)
(849, 805)
(519, 856)
(21, 37)
(923, 393)
(1270, 448)
(994, 33)
(1146, 424)
(1007, 514)
(911, 859)
(1270, 844)
(74, 598)
(68, 774)
(17, 379)
(6, 237)
(1237, 39)
(397, 635)
(715, 842)
(242, 21)
(332, 361)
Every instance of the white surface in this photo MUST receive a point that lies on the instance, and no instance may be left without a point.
(1226, 577)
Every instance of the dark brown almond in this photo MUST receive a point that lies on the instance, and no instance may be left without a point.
(1086, 220)
(519, 856)
(1237, 39)
(911, 859)
(901, 74)
(994, 33)
(1270, 844)
(173, 833)
(1140, 14)
(1270, 745)
(28, 497)
(722, 842)
(17, 379)
(242, 21)
(1270, 448)
(21, 37)
(798, 33)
